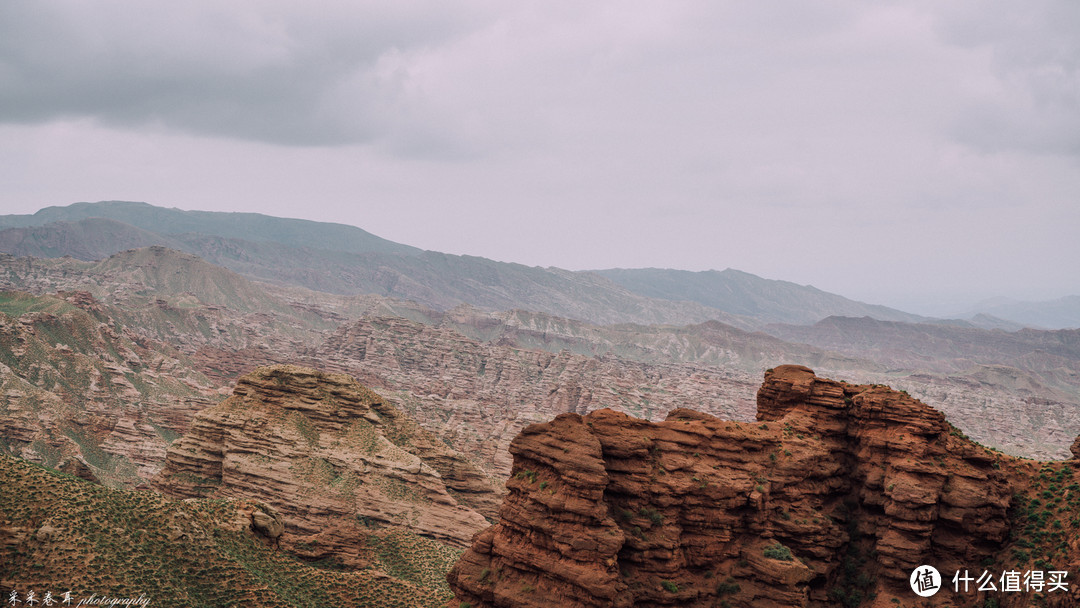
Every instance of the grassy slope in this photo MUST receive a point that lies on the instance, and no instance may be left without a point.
(62, 533)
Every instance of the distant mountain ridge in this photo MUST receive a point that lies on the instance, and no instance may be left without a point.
(910, 344)
(343, 259)
(436, 280)
(246, 226)
(749, 295)
(1062, 313)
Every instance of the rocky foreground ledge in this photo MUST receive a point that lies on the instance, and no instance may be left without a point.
(831, 499)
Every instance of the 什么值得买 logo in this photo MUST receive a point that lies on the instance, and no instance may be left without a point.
(925, 581)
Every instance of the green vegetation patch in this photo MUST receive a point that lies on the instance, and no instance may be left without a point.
(413, 558)
(1045, 518)
(98, 540)
(305, 427)
(17, 303)
(778, 551)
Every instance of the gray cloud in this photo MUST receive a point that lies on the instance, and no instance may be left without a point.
(285, 73)
(425, 77)
(1029, 97)
(885, 147)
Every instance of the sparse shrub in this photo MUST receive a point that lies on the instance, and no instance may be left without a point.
(778, 551)
(728, 587)
(654, 516)
(669, 586)
(530, 475)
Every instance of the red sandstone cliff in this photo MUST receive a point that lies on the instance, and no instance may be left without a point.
(830, 499)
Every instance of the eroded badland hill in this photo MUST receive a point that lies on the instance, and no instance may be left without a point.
(333, 458)
(154, 369)
(300, 489)
(1024, 399)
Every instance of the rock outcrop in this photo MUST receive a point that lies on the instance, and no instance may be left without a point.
(333, 459)
(830, 499)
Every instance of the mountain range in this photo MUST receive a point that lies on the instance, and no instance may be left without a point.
(345, 260)
(219, 358)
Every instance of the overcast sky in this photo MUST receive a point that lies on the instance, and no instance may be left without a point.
(918, 154)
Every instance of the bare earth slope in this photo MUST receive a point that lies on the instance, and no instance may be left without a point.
(228, 325)
(745, 294)
(324, 257)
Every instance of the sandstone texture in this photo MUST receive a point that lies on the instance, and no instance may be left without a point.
(830, 499)
(333, 459)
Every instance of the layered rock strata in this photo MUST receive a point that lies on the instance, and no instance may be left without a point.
(333, 459)
(479, 395)
(831, 498)
(77, 383)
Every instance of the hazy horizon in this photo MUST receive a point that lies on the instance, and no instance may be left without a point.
(961, 310)
(921, 155)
